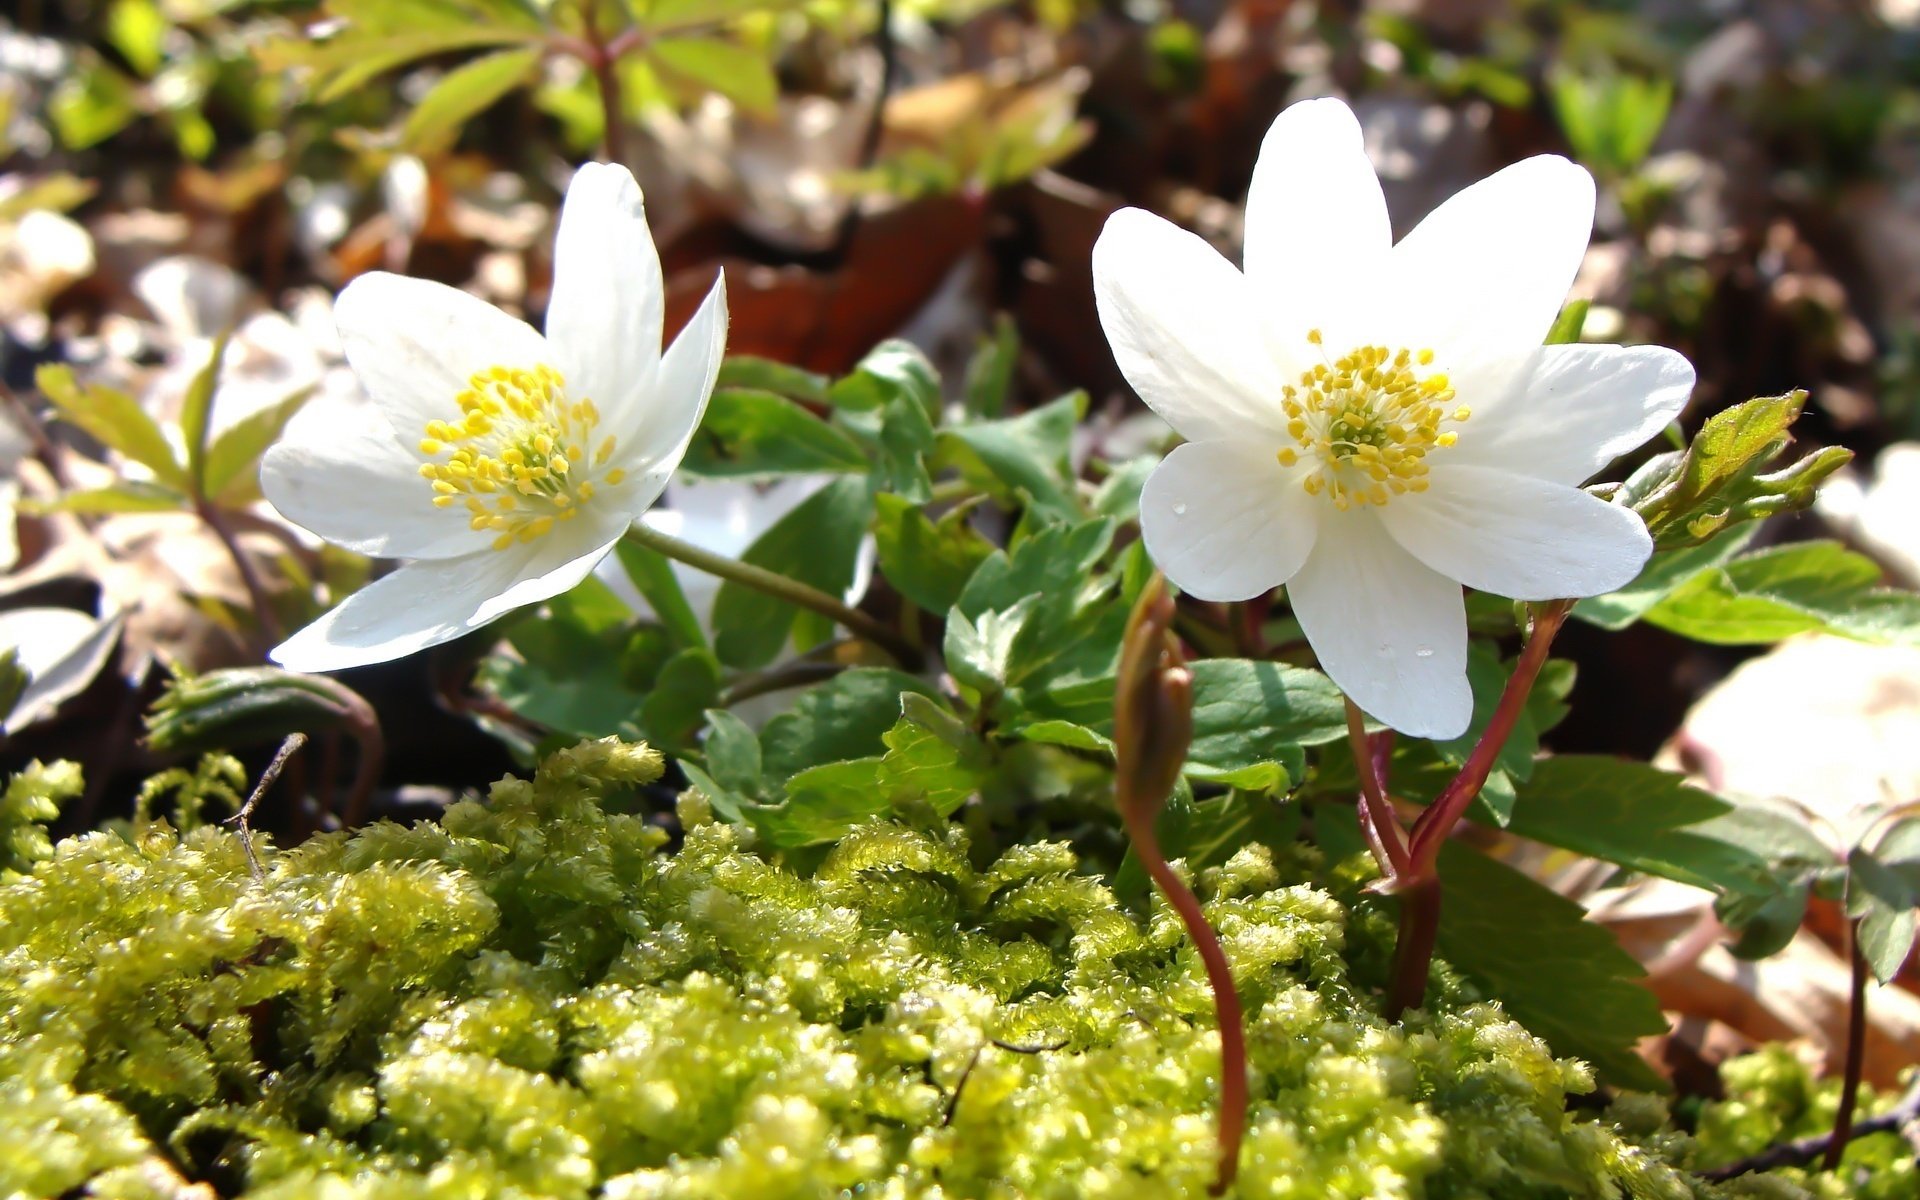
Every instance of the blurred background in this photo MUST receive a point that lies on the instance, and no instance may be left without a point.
(172, 171)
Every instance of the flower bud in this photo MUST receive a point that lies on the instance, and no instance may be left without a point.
(1152, 707)
(243, 705)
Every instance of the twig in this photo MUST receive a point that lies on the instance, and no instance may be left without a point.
(286, 751)
(1903, 1118)
(1384, 835)
(876, 125)
(1856, 1050)
(778, 586)
(216, 521)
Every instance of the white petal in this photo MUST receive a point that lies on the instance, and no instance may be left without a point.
(341, 472)
(414, 345)
(1317, 227)
(1482, 278)
(1519, 536)
(1226, 522)
(654, 430)
(1391, 633)
(429, 602)
(1185, 329)
(1576, 409)
(604, 318)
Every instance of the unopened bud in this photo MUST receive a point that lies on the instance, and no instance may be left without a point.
(1152, 706)
(244, 705)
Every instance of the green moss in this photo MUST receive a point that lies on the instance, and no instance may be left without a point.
(531, 998)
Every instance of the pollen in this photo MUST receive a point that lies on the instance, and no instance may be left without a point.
(1363, 424)
(512, 454)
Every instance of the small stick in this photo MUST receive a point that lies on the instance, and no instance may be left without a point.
(286, 751)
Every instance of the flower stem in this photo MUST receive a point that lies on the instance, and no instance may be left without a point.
(1383, 833)
(603, 58)
(778, 586)
(215, 520)
(1856, 1053)
(1226, 1000)
(1420, 884)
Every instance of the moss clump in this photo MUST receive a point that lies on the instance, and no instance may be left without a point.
(529, 998)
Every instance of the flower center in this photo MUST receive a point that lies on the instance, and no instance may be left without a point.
(518, 455)
(1369, 418)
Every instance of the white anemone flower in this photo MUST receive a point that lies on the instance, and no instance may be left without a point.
(501, 464)
(1373, 424)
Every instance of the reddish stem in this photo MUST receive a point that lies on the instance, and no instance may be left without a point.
(1856, 1053)
(1420, 884)
(1226, 1000)
(1377, 822)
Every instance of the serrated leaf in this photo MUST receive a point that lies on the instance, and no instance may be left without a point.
(766, 375)
(1685, 498)
(1639, 817)
(817, 544)
(463, 94)
(115, 420)
(1119, 493)
(1022, 461)
(757, 433)
(1560, 975)
(1251, 720)
(1071, 631)
(1775, 593)
(980, 653)
(231, 473)
(740, 73)
(892, 370)
(1054, 732)
(928, 562)
(842, 718)
(1665, 573)
(1882, 901)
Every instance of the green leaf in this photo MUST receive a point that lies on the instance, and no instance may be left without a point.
(921, 767)
(687, 687)
(1119, 493)
(115, 420)
(766, 375)
(990, 370)
(980, 654)
(134, 496)
(137, 30)
(889, 402)
(231, 473)
(1613, 119)
(377, 36)
(1055, 732)
(1687, 497)
(1665, 573)
(893, 370)
(818, 544)
(1883, 902)
(1555, 972)
(196, 415)
(740, 73)
(928, 562)
(839, 719)
(463, 94)
(652, 576)
(1250, 720)
(1639, 817)
(92, 103)
(760, 433)
(1065, 626)
(660, 16)
(1023, 460)
(1784, 590)
(733, 754)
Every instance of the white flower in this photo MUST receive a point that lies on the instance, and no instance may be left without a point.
(504, 465)
(1374, 425)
